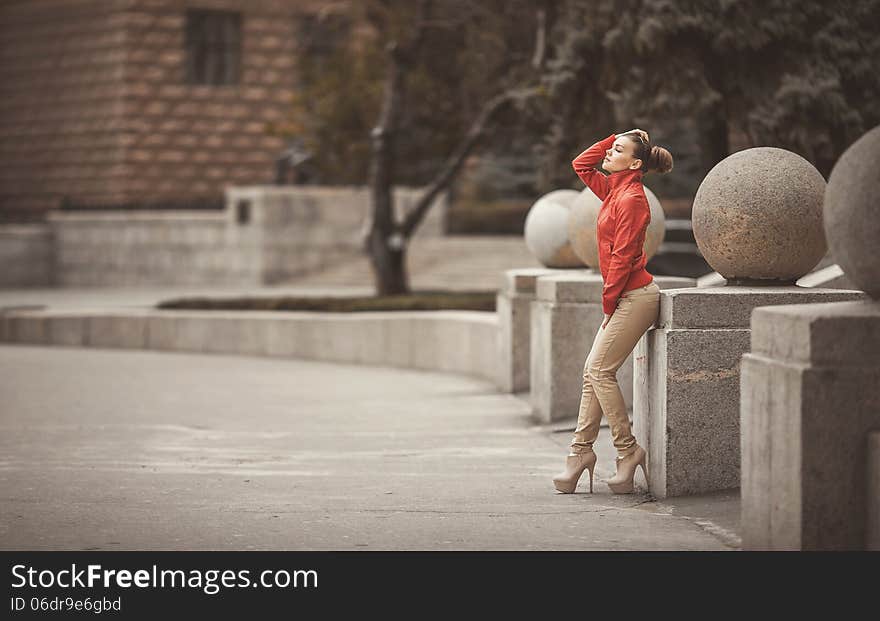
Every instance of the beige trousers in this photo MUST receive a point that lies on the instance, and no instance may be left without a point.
(636, 311)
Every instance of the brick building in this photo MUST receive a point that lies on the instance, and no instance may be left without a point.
(143, 102)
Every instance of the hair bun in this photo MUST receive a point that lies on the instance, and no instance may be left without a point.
(659, 160)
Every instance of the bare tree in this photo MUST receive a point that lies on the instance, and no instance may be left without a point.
(386, 238)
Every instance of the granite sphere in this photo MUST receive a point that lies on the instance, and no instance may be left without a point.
(757, 217)
(546, 230)
(852, 225)
(585, 214)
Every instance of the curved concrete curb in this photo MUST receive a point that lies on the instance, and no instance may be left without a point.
(451, 341)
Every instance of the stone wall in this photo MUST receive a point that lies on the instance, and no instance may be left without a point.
(266, 234)
(26, 254)
(129, 248)
(299, 231)
(451, 341)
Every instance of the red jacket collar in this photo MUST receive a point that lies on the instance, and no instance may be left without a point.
(622, 177)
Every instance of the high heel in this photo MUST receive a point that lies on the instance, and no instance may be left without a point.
(567, 481)
(622, 482)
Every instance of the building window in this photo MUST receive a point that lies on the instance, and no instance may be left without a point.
(213, 47)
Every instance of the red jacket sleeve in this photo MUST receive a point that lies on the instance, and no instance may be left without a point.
(585, 166)
(631, 222)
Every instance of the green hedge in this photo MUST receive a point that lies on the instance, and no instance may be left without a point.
(417, 300)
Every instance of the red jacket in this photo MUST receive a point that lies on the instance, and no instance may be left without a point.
(622, 226)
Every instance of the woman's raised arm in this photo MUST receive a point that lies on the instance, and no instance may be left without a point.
(585, 166)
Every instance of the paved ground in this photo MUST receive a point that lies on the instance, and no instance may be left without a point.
(113, 449)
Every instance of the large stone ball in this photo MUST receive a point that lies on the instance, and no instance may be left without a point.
(757, 217)
(546, 230)
(582, 226)
(852, 217)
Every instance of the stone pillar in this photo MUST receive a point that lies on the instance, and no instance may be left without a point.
(873, 474)
(513, 306)
(810, 410)
(565, 316)
(810, 395)
(686, 383)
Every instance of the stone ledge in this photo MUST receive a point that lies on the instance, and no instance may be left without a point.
(573, 287)
(586, 286)
(450, 341)
(176, 215)
(522, 281)
(731, 307)
(833, 334)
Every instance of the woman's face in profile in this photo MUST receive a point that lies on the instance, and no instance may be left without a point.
(621, 156)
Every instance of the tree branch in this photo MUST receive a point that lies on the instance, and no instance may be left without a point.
(456, 159)
(540, 41)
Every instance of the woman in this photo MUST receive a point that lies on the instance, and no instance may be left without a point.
(630, 299)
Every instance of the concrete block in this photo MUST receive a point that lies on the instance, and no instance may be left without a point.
(777, 332)
(165, 332)
(425, 336)
(211, 332)
(683, 380)
(119, 248)
(513, 309)
(649, 409)
(126, 330)
(26, 327)
(26, 255)
(770, 454)
(322, 341)
(373, 339)
(452, 341)
(731, 307)
(347, 333)
(285, 335)
(808, 429)
(400, 340)
(873, 493)
(238, 333)
(559, 347)
(565, 317)
(66, 329)
(485, 335)
(689, 382)
(448, 350)
(313, 337)
(369, 338)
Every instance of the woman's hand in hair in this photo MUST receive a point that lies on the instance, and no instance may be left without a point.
(640, 132)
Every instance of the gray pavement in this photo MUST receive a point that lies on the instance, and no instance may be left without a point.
(144, 450)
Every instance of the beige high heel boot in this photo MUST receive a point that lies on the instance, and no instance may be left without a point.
(622, 482)
(567, 481)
